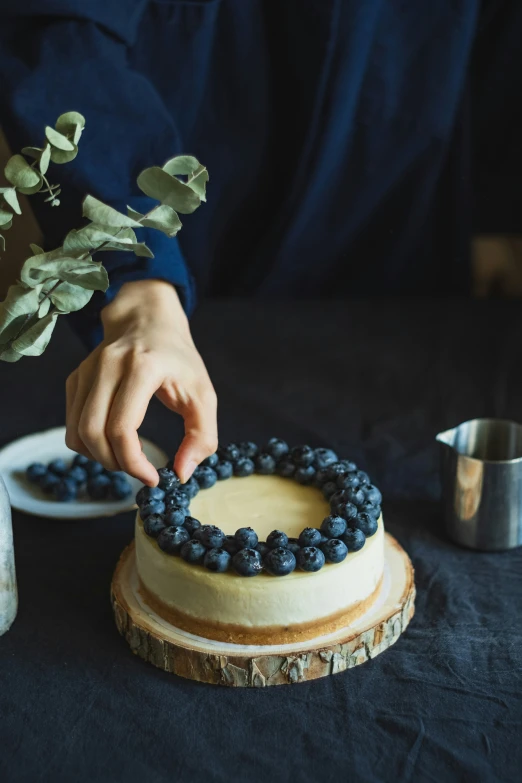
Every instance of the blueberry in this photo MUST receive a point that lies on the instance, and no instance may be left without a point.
(340, 496)
(229, 453)
(277, 448)
(248, 449)
(48, 482)
(230, 544)
(305, 475)
(355, 496)
(348, 481)
(293, 545)
(310, 536)
(334, 550)
(120, 488)
(171, 539)
(320, 478)
(94, 468)
(210, 536)
(177, 498)
(149, 493)
(193, 551)
(354, 539)
(348, 466)
(345, 510)
(329, 489)
(265, 464)
(310, 558)
(324, 457)
(35, 472)
(65, 490)
(98, 487)
(175, 516)
(285, 468)
(224, 470)
(373, 495)
(152, 507)
(332, 471)
(80, 461)
(366, 523)
(262, 547)
(279, 561)
(246, 538)
(168, 481)
(58, 467)
(206, 477)
(244, 467)
(154, 524)
(190, 488)
(247, 562)
(217, 560)
(210, 462)
(277, 539)
(192, 524)
(303, 456)
(333, 527)
(364, 479)
(369, 508)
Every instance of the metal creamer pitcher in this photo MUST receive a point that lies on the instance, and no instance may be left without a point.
(481, 472)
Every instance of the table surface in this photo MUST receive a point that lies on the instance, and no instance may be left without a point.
(376, 380)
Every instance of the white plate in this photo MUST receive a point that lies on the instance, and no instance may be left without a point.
(44, 447)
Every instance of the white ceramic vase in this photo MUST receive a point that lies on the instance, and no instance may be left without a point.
(8, 591)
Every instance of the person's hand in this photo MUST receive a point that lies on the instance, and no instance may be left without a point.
(147, 349)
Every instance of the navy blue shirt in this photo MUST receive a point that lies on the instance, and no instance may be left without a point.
(353, 147)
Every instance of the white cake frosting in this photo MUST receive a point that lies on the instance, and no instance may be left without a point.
(264, 603)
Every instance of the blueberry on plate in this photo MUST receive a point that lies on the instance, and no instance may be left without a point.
(310, 558)
(152, 507)
(190, 488)
(348, 481)
(303, 456)
(334, 550)
(246, 538)
(354, 539)
(333, 526)
(262, 547)
(348, 466)
(210, 462)
(310, 537)
(224, 470)
(193, 551)
(206, 477)
(329, 489)
(324, 457)
(192, 524)
(210, 536)
(248, 449)
(345, 510)
(304, 475)
(340, 496)
(77, 474)
(229, 453)
(373, 495)
(366, 523)
(120, 487)
(176, 499)
(94, 468)
(369, 508)
(65, 490)
(80, 461)
(293, 545)
(217, 560)
(168, 481)
(146, 494)
(332, 471)
(279, 561)
(171, 539)
(98, 487)
(277, 448)
(58, 467)
(320, 478)
(285, 468)
(247, 562)
(230, 544)
(355, 496)
(244, 467)
(175, 515)
(364, 479)
(48, 482)
(35, 472)
(276, 539)
(154, 524)
(265, 464)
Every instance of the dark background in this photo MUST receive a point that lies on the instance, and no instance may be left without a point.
(375, 380)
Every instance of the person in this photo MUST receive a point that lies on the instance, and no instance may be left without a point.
(353, 148)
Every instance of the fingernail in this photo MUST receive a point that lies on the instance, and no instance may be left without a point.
(189, 470)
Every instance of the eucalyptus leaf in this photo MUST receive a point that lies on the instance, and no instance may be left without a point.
(102, 213)
(54, 194)
(34, 340)
(11, 198)
(6, 218)
(46, 266)
(163, 218)
(58, 140)
(32, 152)
(91, 276)
(156, 183)
(181, 164)
(9, 355)
(63, 156)
(18, 304)
(37, 250)
(72, 124)
(198, 182)
(134, 215)
(91, 237)
(45, 159)
(44, 307)
(21, 175)
(69, 298)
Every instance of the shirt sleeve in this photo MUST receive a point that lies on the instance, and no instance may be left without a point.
(69, 55)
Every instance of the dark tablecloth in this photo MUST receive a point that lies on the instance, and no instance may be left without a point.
(376, 381)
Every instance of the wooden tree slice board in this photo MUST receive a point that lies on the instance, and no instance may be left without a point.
(219, 663)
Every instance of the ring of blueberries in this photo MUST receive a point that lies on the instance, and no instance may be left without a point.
(354, 502)
(66, 481)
